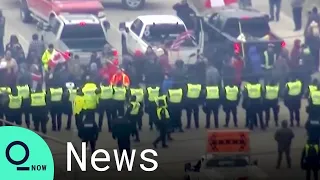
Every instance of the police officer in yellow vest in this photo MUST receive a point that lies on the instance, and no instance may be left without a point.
(24, 92)
(150, 103)
(192, 102)
(162, 124)
(252, 96)
(137, 91)
(3, 91)
(90, 94)
(314, 102)
(312, 87)
(105, 104)
(56, 107)
(120, 97)
(39, 100)
(310, 159)
(231, 96)
(133, 113)
(271, 101)
(79, 107)
(292, 99)
(13, 107)
(68, 97)
(212, 102)
(175, 104)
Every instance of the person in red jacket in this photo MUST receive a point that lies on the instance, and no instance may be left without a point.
(120, 77)
(238, 65)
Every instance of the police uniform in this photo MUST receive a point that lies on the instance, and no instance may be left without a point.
(119, 97)
(175, 100)
(230, 103)
(3, 90)
(105, 105)
(192, 103)
(211, 104)
(134, 114)
(253, 98)
(24, 92)
(271, 100)
(88, 133)
(56, 107)
(13, 112)
(292, 100)
(38, 107)
(68, 99)
(150, 107)
(139, 93)
(314, 103)
(310, 160)
(78, 107)
(163, 121)
(91, 99)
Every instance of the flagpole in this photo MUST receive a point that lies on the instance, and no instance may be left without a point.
(242, 44)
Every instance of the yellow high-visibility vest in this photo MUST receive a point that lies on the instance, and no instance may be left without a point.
(15, 102)
(161, 98)
(38, 99)
(153, 93)
(24, 91)
(166, 112)
(295, 88)
(307, 148)
(315, 97)
(56, 94)
(175, 95)
(135, 108)
(267, 64)
(5, 90)
(106, 92)
(78, 104)
(72, 94)
(119, 93)
(194, 91)
(312, 88)
(272, 92)
(254, 90)
(212, 92)
(232, 93)
(90, 97)
(138, 92)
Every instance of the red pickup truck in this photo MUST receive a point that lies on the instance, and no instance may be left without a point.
(45, 10)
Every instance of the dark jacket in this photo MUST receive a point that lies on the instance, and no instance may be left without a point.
(88, 130)
(121, 130)
(284, 138)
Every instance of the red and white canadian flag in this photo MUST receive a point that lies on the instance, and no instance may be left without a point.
(58, 57)
(218, 3)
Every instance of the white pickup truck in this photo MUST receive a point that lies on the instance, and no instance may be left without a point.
(158, 31)
(212, 167)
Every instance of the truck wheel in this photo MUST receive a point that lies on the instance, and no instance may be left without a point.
(133, 4)
(124, 45)
(25, 13)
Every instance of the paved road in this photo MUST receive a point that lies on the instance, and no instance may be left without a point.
(188, 146)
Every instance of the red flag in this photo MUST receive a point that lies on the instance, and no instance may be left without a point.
(218, 3)
(180, 39)
(58, 57)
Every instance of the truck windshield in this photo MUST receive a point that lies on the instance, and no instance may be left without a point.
(89, 36)
(165, 34)
(254, 27)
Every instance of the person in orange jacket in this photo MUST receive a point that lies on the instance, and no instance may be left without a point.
(120, 77)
